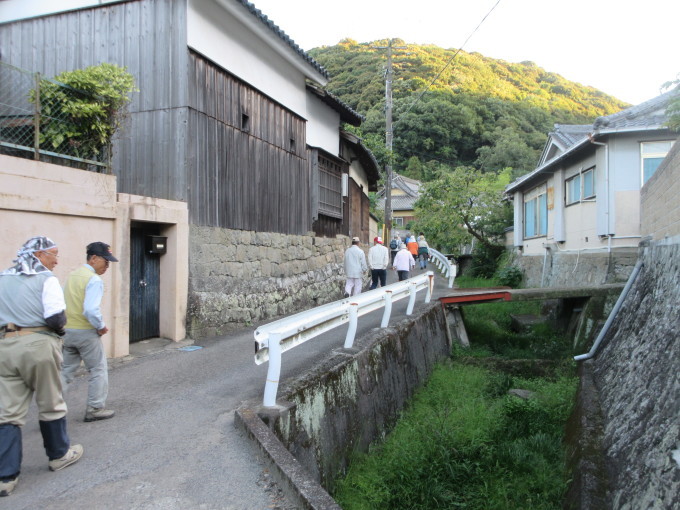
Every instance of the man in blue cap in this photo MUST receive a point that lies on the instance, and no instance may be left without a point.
(85, 326)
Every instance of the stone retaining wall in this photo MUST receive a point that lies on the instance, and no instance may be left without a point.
(637, 377)
(238, 278)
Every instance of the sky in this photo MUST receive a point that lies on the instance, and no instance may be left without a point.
(626, 49)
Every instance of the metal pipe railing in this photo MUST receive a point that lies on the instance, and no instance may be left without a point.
(275, 338)
(612, 314)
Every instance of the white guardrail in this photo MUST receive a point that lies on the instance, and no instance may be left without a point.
(273, 339)
(445, 265)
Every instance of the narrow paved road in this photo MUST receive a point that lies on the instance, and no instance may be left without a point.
(172, 444)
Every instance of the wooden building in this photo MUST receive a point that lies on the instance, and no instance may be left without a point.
(230, 117)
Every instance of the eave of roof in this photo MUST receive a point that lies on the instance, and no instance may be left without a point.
(512, 187)
(626, 121)
(255, 19)
(346, 113)
(366, 158)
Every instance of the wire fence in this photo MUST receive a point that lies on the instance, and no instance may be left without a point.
(38, 120)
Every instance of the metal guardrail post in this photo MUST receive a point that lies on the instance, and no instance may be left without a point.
(452, 274)
(428, 294)
(273, 371)
(353, 321)
(388, 309)
(412, 299)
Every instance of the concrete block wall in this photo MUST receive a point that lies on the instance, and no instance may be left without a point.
(573, 269)
(238, 278)
(660, 208)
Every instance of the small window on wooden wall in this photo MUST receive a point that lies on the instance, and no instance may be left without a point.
(330, 188)
(291, 145)
(245, 122)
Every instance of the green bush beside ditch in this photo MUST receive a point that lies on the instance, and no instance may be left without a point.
(464, 442)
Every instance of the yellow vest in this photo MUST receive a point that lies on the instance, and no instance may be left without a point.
(74, 294)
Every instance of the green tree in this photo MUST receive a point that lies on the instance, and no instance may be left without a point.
(82, 109)
(673, 109)
(462, 204)
(508, 150)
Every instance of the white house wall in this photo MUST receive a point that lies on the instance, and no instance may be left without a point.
(615, 209)
(323, 125)
(216, 33)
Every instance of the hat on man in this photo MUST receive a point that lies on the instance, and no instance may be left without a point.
(102, 250)
(355, 240)
(378, 239)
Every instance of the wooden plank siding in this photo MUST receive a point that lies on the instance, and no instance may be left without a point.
(244, 174)
(149, 38)
(358, 212)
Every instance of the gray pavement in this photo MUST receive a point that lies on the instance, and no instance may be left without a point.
(172, 444)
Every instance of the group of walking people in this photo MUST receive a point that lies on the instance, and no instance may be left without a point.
(401, 256)
(45, 332)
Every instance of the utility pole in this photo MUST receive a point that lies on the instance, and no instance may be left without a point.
(388, 139)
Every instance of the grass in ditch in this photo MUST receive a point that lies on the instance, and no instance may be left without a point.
(464, 442)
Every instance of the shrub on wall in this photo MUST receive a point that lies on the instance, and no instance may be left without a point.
(81, 110)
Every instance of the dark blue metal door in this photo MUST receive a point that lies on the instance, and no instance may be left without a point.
(144, 286)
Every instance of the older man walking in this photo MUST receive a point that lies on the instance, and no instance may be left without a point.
(85, 326)
(32, 320)
(355, 267)
(378, 259)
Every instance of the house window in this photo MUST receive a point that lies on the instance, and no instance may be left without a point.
(580, 187)
(536, 212)
(652, 154)
(398, 222)
(330, 188)
(245, 122)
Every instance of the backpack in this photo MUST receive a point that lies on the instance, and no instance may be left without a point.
(393, 244)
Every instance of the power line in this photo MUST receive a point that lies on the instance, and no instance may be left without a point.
(448, 63)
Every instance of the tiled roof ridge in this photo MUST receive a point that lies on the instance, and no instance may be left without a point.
(636, 110)
(322, 91)
(285, 37)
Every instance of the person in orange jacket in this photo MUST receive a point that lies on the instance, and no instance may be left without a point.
(412, 246)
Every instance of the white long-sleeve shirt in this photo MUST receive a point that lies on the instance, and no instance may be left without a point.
(378, 257)
(403, 260)
(355, 262)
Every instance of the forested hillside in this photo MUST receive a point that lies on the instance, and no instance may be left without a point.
(479, 111)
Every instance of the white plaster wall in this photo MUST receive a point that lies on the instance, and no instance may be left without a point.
(357, 172)
(250, 51)
(323, 125)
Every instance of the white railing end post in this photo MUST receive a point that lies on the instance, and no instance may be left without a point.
(273, 371)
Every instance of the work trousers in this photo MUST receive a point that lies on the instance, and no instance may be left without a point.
(403, 275)
(353, 286)
(378, 275)
(29, 365)
(86, 345)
